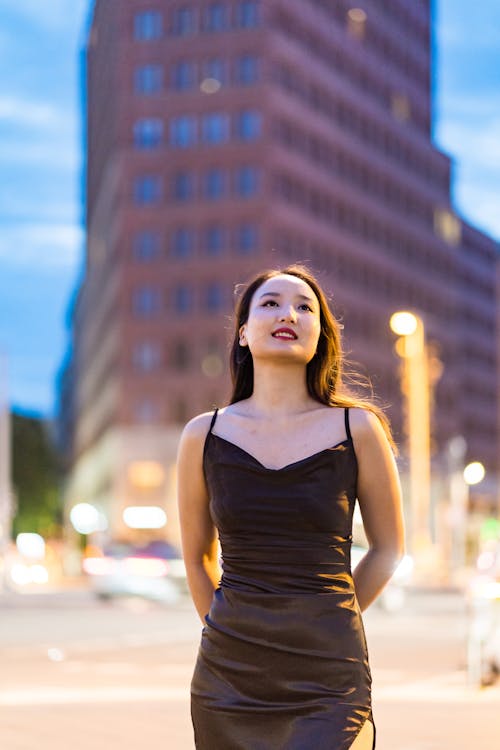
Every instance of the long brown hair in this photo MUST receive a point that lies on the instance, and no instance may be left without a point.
(324, 372)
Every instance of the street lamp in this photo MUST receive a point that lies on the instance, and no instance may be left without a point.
(411, 347)
(474, 473)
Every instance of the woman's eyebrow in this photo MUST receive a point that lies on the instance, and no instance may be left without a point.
(277, 294)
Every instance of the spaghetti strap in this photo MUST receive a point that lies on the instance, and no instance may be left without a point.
(213, 419)
(346, 419)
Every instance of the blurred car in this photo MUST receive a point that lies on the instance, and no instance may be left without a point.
(483, 597)
(393, 596)
(152, 571)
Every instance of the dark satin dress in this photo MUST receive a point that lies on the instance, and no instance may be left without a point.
(283, 661)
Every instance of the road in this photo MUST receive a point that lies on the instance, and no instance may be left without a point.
(79, 674)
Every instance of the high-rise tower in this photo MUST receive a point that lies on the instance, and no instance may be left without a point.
(227, 137)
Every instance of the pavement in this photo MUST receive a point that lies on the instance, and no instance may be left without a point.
(80, 673)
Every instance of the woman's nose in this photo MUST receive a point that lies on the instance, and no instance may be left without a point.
(288, 313)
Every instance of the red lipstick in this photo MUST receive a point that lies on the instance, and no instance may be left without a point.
(285, 330)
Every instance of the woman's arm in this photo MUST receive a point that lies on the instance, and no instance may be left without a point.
(198, 533)
(380, 502)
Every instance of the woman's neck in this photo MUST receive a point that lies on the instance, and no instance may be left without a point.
(280, 389)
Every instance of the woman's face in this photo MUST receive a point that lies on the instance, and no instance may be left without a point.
(283, 301)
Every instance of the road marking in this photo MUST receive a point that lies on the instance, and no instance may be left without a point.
(49, 695)
(112, 643)
(448, 687)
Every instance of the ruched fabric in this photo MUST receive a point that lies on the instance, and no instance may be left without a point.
(282, 662)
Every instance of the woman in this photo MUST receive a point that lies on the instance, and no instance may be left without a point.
(283, 662)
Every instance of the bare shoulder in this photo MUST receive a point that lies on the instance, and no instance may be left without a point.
(196, 430)
(365, 425)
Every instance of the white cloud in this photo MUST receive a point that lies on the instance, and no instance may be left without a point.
(52, 16)
(470, 105)
(470, 135)
(41, 246)
(26, 112)
(46, 153)
(459, 35)
(476, 143)
(479, 205)
(462, 24)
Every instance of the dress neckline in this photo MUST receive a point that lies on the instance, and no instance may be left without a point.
(347, 441)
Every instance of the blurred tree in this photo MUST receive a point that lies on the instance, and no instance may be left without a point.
(35, 478)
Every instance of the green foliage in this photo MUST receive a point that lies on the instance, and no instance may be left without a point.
(35, 478)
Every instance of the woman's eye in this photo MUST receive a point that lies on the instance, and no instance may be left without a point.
(308, 306)
(272, 301)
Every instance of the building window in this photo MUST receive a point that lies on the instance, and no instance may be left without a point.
(145, 410)
(148, 79)
(148, 133)
(182, 355)
(180, 411)
(183, 75)
(148, 25)
(248, 125)
(247, 181)
(146, 246)
(183, 299)
(214, 297)
(215, 183)
(183, 22)
(216, 68)
(215, 127)
(246, 70)
(147, 190)
(184, 186)
(214, 239)
(146, 356)
(182, 242)
(216, 17)
(247, 238)
(248, 14)
(146, 302)
(183, 131)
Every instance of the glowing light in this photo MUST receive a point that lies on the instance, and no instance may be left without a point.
(356, 22)
(447, 226)
(31, 545)
(146, 474)
(20, 574)
(485, 560)
(97, 566)
(210, 85)
(144, 566)
(487, 589)
(405, 567)
(86, 519)
(474, 472)
(400, 107)
(403, 323)
(357, 15)
(39, 574)
(23, 574)
(55, 654)
(144, 517)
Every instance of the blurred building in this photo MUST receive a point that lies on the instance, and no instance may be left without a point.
(227, 137)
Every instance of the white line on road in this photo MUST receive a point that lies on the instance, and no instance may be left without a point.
(47, 696)
(448, 687)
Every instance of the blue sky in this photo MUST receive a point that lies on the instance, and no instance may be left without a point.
(41, 240)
